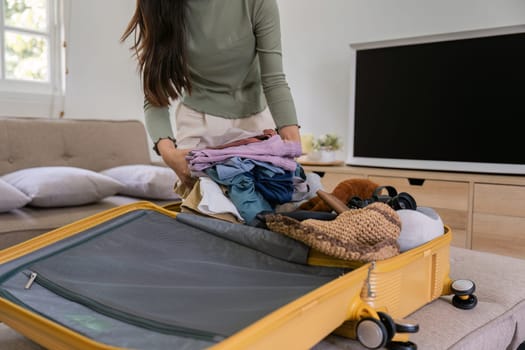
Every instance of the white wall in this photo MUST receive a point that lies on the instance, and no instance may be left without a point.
(103, 81)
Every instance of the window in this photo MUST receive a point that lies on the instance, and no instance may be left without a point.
(30, 56)
(26, 40)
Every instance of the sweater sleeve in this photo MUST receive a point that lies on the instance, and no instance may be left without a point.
(157, 121)
(268, 46)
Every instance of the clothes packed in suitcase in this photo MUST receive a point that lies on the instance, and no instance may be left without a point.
(142, 276)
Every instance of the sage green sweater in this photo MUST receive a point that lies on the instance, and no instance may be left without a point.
(235, 62)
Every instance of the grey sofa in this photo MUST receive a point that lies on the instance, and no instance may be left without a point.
(89, 144)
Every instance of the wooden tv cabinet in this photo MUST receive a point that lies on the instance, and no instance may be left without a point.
(486, 212)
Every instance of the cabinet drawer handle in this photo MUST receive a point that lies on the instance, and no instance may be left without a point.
(416, 182)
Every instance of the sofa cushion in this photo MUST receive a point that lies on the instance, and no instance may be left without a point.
(86, 144)
(11, 198)
(61, 186)
(145, 181)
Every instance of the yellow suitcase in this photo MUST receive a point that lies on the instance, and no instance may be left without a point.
(366, 302)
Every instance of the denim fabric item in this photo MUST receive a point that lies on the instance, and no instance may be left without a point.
(242, 193)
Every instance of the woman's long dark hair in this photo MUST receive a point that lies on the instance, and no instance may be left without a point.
(159, 28)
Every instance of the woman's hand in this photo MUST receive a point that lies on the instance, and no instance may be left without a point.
(290, 133)
(176, 159)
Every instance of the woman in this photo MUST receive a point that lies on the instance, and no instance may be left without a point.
(222, 60)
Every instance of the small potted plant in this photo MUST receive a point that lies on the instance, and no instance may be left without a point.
(326, 146)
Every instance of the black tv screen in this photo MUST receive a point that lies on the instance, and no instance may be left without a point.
(448, 105)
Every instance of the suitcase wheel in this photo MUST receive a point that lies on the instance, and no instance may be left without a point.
(463, 294)
(466, 302)
(389, 324)
(371, 333)
(398, 326)
(404, 326)
(463, 287)
(398, 345)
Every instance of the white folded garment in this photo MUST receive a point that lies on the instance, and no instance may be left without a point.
(418, 226)
(214, 201)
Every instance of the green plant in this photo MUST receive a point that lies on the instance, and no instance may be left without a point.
(328, 142)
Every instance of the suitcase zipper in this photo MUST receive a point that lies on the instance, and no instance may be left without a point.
(32, 278)
(119, 315)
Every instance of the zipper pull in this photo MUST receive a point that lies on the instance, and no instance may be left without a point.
(31, 280)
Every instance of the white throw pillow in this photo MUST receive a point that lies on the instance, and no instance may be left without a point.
(61, 186)
(145, 181)
(11, 198)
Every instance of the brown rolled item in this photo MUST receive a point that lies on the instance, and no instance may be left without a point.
(332, 201)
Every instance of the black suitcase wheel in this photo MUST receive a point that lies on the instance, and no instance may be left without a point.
(399, 345)
(463, 287)
(389, 324)
(465, 302)
(371, 333)
(463, 294)
(405, 326)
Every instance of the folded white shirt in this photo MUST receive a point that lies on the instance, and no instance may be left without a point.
(214, 201)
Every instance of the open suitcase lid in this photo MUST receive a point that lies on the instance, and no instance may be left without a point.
(140, 276)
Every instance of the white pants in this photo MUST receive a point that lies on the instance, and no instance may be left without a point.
(196, 130)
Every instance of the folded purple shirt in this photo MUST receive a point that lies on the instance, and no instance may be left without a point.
(273, 150)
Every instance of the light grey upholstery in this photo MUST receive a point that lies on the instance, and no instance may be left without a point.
(90, 144)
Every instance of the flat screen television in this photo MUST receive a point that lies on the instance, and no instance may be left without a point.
(451, 102)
